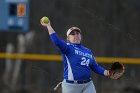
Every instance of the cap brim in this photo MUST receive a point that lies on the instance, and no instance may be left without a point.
(73, 29)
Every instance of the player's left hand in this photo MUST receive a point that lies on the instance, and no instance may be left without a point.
(116, 71)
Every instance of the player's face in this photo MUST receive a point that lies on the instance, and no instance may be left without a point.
(74, 37)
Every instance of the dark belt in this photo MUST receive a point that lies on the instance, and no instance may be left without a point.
(78, 81)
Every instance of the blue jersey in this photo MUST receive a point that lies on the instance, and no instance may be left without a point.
(78, 60)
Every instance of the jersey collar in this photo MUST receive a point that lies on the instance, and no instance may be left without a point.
(76, 45)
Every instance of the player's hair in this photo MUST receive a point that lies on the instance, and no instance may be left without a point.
(68, 41)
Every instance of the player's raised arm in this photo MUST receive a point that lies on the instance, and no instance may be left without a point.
(45, 22)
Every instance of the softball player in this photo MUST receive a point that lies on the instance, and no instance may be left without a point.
(78, 61)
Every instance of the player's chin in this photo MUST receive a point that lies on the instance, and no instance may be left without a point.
(77, 41)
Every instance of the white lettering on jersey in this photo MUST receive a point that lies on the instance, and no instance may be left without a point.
(77, 52)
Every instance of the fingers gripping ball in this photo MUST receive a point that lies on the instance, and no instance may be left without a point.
(116, 71)
(45, 20)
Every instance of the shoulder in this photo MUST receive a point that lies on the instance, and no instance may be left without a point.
(87, 49)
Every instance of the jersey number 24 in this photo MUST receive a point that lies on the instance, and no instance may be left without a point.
(85, 61)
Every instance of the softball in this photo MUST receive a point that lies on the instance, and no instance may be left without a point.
(45, 20)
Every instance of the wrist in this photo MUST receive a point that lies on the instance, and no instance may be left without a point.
(50, 29)
(106, 72)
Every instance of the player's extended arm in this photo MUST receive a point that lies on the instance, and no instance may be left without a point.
(98, 69)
